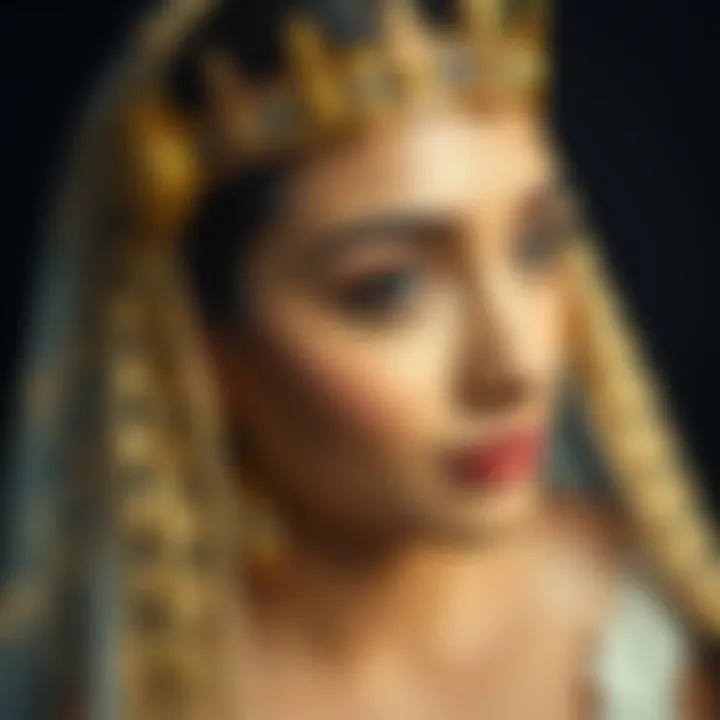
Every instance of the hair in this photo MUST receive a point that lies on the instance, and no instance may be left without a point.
(250, 34)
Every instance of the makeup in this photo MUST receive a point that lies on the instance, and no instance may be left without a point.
(499, 463)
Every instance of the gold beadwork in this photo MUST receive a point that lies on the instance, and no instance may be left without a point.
(131, 375)
(370, 86)
(133, 445)
(410, 49)
(653, 479)
(160, 34)
(312, 67)
(483, 20)
(159, 169)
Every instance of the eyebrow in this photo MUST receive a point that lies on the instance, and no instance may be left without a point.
(390, 227)
(550, 195)
(549, 189)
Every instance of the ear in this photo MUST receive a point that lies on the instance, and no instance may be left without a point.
(230, 374)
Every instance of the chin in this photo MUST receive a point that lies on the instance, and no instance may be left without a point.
(488, 518)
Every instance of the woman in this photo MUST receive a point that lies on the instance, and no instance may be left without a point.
(393, 310)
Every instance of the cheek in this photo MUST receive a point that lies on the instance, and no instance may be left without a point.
(374, 386)
(548, 330)
(534, 326)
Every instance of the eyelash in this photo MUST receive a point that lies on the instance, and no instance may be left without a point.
(538, 249)
(382, 293)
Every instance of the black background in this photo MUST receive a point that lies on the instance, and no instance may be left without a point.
(637, 111)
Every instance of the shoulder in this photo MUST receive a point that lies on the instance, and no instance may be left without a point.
(642, 658)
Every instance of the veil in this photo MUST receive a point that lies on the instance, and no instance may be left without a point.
(118, 472)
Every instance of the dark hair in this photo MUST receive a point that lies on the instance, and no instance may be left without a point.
(250, 33)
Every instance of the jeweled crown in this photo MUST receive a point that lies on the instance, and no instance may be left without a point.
(496, 49)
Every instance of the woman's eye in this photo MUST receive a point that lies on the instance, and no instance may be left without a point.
(383, 292)
(539, 249)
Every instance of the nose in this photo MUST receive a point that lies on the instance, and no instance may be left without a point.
(495, 362)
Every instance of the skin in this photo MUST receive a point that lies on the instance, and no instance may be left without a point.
(460, 339)
(408, 301)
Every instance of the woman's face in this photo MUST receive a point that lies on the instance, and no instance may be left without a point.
(398, 374)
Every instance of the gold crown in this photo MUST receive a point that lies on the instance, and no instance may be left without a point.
(496, 49)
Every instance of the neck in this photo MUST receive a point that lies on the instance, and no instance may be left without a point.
(410, 598)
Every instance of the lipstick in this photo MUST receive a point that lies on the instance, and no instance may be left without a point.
(499, 463)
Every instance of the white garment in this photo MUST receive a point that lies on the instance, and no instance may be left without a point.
(641, 657)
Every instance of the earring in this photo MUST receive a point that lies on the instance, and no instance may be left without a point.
(262, 536)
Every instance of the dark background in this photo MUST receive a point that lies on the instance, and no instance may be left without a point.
(637, 111)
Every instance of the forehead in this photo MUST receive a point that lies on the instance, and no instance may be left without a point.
(437, 161)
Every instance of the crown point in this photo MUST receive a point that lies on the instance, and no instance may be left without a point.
(314, 71)
(482, 18)
(410, 49)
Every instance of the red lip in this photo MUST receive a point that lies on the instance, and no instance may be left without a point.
(504, 461)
